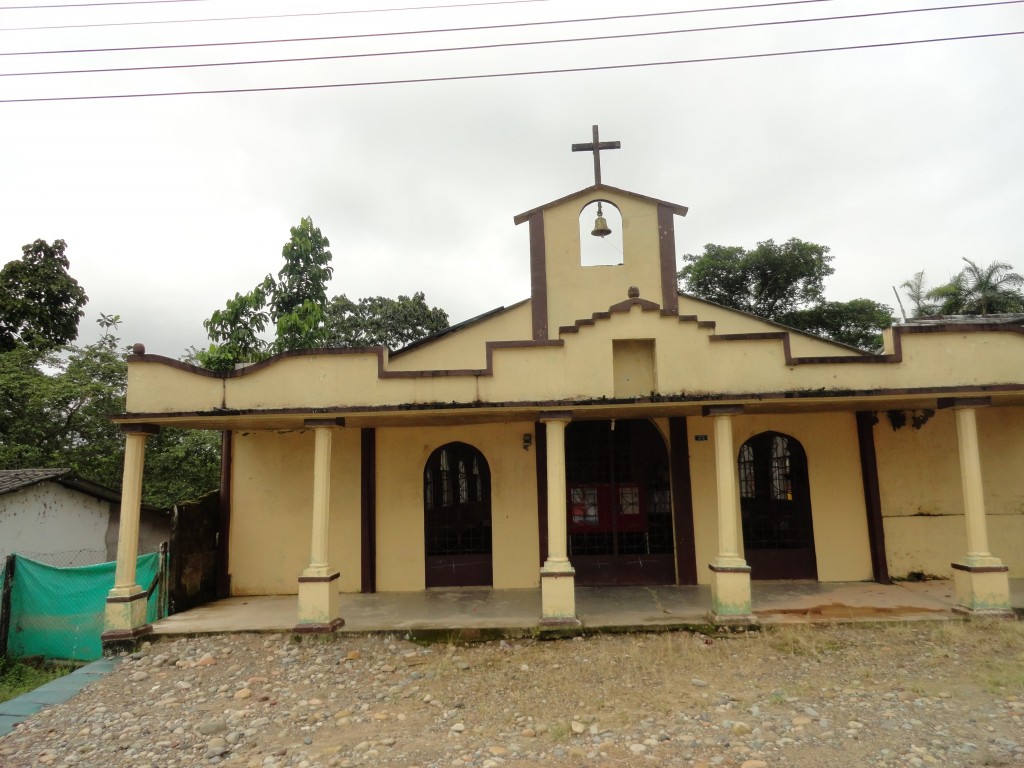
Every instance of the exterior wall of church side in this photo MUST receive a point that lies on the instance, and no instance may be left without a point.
(922, 500)
(271, 517)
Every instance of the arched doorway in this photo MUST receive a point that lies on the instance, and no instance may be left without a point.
(775, 503)
(619, 505)
(457, 517)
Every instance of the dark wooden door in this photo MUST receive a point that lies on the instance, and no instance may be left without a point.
(194, 551)
(775, 502)
(457, 515)
(619, 507)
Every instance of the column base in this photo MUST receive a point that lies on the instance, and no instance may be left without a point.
(983, 591)
(118, 641)
(319, 629)
(319, 607)
(558, 596)
(730, 594)
(125, 610)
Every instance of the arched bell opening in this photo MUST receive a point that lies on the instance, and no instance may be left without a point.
(457, 517)
(775, 505)
(600, 234)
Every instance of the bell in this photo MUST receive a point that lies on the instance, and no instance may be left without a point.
(600, 226)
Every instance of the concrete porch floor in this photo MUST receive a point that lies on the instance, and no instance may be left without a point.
(598, 608)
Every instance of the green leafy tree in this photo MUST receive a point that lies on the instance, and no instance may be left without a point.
(298, 298)
(40, 303)
(767, 281)
(235, 331)
(975, 290)
(55, 411)
(785, 284)
(981, 290)
(858, 322)
(380, 321)
(921, 302)
(295, 303)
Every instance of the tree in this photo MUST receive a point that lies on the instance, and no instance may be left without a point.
(380, 321)
(297, 306)
(235, 331)
(918, 293)
(767, 281)
(974, 290)
(55, 411)
(299, 296)
(295, 303)
(858, 322)
(785, 284)
(40, 303)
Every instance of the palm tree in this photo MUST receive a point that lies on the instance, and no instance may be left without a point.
(919, 295)
(980, 290)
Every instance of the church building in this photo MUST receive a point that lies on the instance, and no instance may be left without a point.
(607, 430)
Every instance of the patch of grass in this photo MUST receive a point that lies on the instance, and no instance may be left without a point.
(18, 677)
(803, 641)
(559, 731)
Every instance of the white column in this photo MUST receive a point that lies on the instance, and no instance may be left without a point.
(982, 580)
(124, 616)
(321, 502)
(558, 558)
(727, 484)
(319, 610)
(557, 577)
(730, 574)
(971, 483)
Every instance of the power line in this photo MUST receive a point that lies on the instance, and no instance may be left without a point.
(481, 28)
(92, 5)
(451, 78)
(266, 16)
(720, 28)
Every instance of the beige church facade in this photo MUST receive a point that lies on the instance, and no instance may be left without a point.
(607, 430)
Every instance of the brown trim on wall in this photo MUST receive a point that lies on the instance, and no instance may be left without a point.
(682, 500)
(980, 568)
(783, 336)
(872, 497)
(667, 250)
(320, 579)
(666, 399)
(597, 189)
(368, 509)
(224, 515)
(540, 442)
(128, 598)
(538, 278)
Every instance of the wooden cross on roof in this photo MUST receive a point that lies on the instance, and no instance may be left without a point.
(596, 146)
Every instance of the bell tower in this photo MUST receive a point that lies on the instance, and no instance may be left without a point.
(562, 289)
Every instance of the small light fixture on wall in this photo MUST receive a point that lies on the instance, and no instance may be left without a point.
(527, 441)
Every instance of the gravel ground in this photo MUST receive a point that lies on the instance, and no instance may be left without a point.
(919, 694)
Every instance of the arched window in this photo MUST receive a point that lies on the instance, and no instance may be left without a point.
(775, 502)
(457, 516)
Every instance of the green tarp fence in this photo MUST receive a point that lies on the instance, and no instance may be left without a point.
(58, 612)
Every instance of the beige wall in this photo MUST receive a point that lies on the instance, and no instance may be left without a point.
(837, 496)
(401, 457)
(575, 292)
(271, 510)
(686, 361)
(731, 321)
(467, 347)
(922, 499)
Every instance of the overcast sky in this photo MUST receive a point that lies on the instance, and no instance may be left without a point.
(899, 158)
